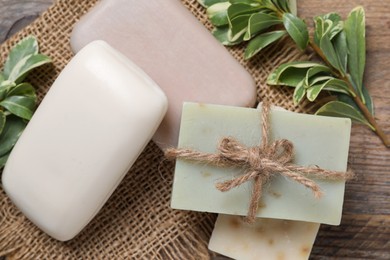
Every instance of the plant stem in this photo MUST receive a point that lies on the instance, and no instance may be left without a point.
(370, 118)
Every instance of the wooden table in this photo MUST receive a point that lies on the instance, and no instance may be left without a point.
(365, 229)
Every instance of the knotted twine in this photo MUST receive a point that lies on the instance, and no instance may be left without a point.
(259, 163)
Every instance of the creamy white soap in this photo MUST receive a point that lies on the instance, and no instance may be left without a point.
(268, 239)
(89, 129)
(322, 141)
(175, 49)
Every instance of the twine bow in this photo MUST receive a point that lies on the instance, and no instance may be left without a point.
(259, 164)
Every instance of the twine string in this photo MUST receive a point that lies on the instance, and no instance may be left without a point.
(259, 164)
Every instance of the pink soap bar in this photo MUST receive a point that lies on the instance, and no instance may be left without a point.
(174, 49)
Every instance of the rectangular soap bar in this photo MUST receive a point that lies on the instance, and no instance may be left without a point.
(271, 239)
(89, 129)
(175, 49)
(322, 141)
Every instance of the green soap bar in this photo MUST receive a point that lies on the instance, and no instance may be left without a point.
(321, 141)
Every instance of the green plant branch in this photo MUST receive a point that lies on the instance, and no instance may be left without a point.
(363, 108)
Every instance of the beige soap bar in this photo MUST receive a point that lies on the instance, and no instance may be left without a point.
(91, 126)
(268, 239)
(175, 49)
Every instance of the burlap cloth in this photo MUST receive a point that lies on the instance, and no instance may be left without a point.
(137, 221)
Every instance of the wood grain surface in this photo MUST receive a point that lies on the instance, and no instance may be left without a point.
(365, 229)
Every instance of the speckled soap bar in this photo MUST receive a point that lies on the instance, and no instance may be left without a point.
(270, 239)
(322, 141)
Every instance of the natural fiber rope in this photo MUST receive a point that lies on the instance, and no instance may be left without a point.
(260, 163)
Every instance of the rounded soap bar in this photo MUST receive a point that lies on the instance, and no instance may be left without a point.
(92, 125)
(175, 49)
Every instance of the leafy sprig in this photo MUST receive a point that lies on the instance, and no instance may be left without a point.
(18, 99)
(340, 44)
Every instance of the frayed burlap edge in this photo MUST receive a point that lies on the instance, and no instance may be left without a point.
(137, 221)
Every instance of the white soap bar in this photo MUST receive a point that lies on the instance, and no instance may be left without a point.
(270, 239)
(322, 141)
(175, 49)
(93, 123)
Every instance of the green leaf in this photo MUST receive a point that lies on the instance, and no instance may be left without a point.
(26, 64)
(238, 27)
(369, 102)
(2, 121)
(261, 41)
(318, 29)
(208, 3)
(20, 106)
(248, 2)
(349, 100)
(241, 9)
(341, 109)
(26, 47)
(217, 14)
(5, 87)
(291, 73)
(23, 89)
(293, 7)
(341, 49)
(314, 71)
(355, 32)
(259, 22)
(337, 85)
(333, 84)
(329, 51)
(299, 93)
(222, 35)
(297, 29)
(3, 160)
(11, 132)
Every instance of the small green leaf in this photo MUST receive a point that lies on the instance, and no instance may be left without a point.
(333, 84)
(314, 71)
(2, 121)
(291, 73)
(23, 89)
(337, 85)
(259, 22)
(341, 49)
(341, 109)
(369, 102)
(26, 64)
(355, 32)
(297, 29)
(299, 93)
(329, 51)
(208, 3)
(238, 27)
(261, 41)
(3, 160)
(5, 87)
(217, 14)
(11, 132)
(222, 35)
(241, 9)
(318, 29)
(293, 7)
(24, 48)
(20, 106)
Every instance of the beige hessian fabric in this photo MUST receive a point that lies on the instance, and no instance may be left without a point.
(137, 221)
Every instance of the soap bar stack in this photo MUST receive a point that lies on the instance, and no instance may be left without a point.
(321, 141)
